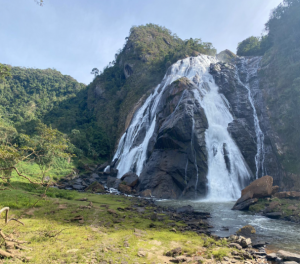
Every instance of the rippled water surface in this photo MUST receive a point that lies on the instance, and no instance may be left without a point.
(280, 234)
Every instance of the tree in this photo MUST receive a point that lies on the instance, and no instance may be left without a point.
(49, 145)
(95, 72)
(4, 71)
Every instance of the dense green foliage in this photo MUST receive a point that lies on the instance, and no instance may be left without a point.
(31, 96)
(281, 76)
(254, 46)
(28, 94)
(47, 147)
(4, 71)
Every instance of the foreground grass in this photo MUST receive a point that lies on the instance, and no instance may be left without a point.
(62, 229)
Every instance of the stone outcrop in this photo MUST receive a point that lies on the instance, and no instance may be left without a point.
(285, 255)
(130, 178)
(260, 188)
(171, 170)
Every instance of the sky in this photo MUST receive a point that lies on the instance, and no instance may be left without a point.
(74, 36)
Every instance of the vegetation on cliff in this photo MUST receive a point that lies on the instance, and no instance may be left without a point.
(281, 82)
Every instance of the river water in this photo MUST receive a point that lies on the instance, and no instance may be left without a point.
(279, 234)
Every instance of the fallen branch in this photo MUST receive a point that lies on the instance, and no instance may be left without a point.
(20, 174)
(10, 239)
(5, 254)
(14, 219)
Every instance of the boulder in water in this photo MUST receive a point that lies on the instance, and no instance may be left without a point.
(130, 178)
(244, 205)
(246, 231)
(262, 187)
(259, 188)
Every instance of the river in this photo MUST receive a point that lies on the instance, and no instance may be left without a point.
(279, 234)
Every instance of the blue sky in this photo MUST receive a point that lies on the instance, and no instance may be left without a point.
(74, 36)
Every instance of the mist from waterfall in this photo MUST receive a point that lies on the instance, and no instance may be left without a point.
(227, 170)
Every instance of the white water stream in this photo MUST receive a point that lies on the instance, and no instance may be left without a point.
(225, 180)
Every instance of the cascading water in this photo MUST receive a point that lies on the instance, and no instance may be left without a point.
(227, 170)
(249, 67)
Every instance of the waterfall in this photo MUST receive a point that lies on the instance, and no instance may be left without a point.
(250, 67)
(227, 170)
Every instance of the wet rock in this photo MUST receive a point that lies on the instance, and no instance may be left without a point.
(273, 215)
(285, 255)
(244, 205)
(102, 166)
(113, 172)
(113, 182)
(130, 178)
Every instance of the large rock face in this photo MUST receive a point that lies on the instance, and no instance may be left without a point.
(171, 170)
(231, 79)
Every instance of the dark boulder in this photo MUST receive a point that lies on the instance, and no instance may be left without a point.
(130, 178)
(113, 182)
(275, 215)
(102, 166)
(245, 205)
(113, 172)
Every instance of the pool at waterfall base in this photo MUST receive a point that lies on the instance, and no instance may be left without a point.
(278, 234)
